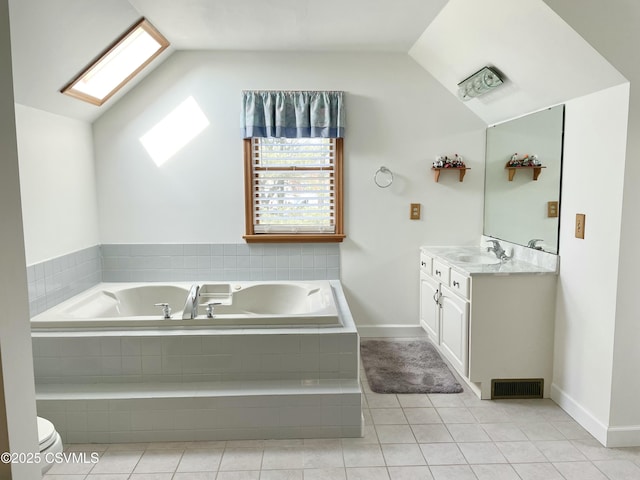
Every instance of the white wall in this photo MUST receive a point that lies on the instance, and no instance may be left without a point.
(57, 181)
(397, 116)
(611, 28)
(593, 171)
(522, 40)
(15, 335)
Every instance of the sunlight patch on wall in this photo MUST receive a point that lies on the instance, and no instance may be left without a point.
(174, 131)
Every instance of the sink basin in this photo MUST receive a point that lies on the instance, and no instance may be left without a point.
(477, 259)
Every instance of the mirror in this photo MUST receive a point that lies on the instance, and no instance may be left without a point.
(519, 210)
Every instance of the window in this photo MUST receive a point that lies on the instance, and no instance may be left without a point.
(120, 63)
(293, 189)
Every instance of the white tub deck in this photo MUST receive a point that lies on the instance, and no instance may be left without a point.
(101, 384)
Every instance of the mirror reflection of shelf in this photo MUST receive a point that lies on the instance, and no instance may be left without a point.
(536, 171)
(461, 170)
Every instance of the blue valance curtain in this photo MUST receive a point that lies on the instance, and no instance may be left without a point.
(288, 114)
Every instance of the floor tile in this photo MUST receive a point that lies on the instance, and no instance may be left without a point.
(414, 400)
(195, 476)
(504, 432)
(495, 472)
(243, 475)
(377, 400)
(540, 431)
(371, 473)
(363, 456)
(446, 400)
(395, 434)
(455, 415)
(537, 471)
(402, 455)
(102, 476)
(431, 433)
(151, 476)
(323, 456)
(468, 432)
(559, 451)
(489, 414)
(593, 450)
(422, 416)
(158, 461)
(579, 471)
(117, 462)
(409, 473)
(521, 452)
(442, 454)
(388, 416)
(206, 460)
(325, 474)
(281, 475)
(453, 472)
(619, 469)
(571, 430)
(283, 458)
(241, 459)
(481, 453)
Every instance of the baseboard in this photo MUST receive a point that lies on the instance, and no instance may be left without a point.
(581, 415)
(389, 330)
(624, 436)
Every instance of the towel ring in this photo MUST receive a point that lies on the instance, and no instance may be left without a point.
(383, 177)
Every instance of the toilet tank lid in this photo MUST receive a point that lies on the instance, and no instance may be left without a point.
(46, 430)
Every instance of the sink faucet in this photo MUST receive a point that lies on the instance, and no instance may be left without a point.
(532, 243)
(191, 304)
(498, 250)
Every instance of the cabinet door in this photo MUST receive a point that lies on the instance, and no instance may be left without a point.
(454, 330)
(429, 314)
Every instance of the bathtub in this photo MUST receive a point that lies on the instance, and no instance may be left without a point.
(118, 306)
(278, 360)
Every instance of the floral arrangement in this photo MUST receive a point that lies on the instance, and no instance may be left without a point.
(444, 161)
(525, 161)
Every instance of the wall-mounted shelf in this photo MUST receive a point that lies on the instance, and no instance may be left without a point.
(536, 171)
(460, 170)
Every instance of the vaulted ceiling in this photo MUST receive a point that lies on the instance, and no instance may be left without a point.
(544, 60)
(53, 40)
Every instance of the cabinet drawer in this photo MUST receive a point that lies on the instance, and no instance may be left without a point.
(440, 271)
(460, 284)
(425, 263)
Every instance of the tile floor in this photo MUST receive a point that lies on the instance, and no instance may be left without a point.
(407, 437)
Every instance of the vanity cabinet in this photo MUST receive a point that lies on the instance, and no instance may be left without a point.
(444, 313)
(494, 322)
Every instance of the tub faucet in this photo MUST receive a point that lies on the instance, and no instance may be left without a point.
(498, 250)
(191, 304)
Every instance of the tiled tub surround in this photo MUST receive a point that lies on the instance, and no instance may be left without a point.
(195, 262)
(209, 384)
(56, 280)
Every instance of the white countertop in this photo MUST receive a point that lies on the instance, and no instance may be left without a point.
(513, 266)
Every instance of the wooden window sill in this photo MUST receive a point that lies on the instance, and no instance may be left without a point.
(294, 238)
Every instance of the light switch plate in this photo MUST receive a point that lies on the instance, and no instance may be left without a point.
(415, 211)
(580, 218)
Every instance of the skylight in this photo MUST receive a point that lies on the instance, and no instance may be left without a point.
(119, 64)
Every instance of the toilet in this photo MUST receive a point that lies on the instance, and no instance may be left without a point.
(50, 443)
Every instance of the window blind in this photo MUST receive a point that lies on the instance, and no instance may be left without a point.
(293, 182)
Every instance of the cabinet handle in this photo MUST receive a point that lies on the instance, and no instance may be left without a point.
(436, 297)
(438, 272)
(456, 284)
(423, 264)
